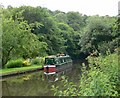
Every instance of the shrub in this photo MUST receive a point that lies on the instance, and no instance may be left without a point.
(14, 63)
(100, 80)
(42, 60)
(66, 89)
(26, 63)
(36, 61)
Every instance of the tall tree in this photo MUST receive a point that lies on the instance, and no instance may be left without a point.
(98, 30)
(18, 41)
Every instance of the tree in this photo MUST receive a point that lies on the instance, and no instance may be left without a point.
(75, 20)
(60, 17)
(98, 30)
(18, 41)
(71, 40)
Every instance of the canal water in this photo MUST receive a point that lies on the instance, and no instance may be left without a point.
(34, 84)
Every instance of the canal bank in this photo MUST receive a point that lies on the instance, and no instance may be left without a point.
(11, 72)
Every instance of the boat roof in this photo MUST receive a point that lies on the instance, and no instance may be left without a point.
(51, 56)
(58, 56)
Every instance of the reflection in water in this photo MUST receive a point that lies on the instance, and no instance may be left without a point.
(27, 85)
(33, 84)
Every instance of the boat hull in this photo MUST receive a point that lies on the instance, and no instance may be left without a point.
(52, 72)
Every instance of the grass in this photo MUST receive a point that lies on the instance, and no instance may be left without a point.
(11, 70)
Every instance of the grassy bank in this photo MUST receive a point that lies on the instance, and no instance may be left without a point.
(11, 70)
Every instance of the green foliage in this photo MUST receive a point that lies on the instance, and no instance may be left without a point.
(14, 63)
(35, 31)
(60, 17)
(37, 61)
(26, 62)
(102, 79)
(111, 46)
(30, 32)
(98, 30)
(18, 41)
(42, 61)
(75, 20)
(68, 89)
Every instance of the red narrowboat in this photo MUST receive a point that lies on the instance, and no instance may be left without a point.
(57, 64)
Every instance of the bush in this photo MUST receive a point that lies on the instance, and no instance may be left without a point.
(36, 61)
(102, 79)
(26, 63)
(42, 60)
(14, 63)
(67, 88)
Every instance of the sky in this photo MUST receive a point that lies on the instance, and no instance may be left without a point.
(88, 7)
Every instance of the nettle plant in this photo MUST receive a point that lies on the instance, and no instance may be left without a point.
(102, 79)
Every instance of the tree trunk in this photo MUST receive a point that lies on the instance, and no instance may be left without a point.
(5, 58)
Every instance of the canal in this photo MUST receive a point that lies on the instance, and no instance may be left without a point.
(34, 84)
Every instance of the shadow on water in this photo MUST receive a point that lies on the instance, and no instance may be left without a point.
(34, 84)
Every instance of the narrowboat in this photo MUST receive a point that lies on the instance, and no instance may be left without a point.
(56, 64)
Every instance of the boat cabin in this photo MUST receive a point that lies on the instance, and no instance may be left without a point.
(56, 65)
(57, 60)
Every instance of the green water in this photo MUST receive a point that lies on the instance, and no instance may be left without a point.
(33, 84)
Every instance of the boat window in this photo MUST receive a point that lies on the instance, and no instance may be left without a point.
(49, 61)
(65, 60)
(57, 61)
(61, 61)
